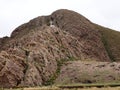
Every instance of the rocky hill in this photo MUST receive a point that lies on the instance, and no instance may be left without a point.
(37, 51)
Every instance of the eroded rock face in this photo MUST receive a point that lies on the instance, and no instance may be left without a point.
(39, 53)
(30, 56)
(11, 70)
(82, 29)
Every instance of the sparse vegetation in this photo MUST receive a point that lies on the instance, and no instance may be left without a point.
(59, 64)
(99, 85)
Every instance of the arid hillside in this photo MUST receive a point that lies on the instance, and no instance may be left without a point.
(38, 51)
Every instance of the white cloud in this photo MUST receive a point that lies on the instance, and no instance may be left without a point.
(17, 12)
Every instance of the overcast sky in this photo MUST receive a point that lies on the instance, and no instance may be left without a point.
(16, 12)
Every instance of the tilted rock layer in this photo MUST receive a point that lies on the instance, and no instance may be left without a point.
(31, 56)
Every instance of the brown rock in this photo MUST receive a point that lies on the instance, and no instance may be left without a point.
(33, 54)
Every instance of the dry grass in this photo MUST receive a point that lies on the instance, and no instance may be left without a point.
(106, 86)
(55, 88)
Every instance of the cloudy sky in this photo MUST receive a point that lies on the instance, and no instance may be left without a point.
(16, 12)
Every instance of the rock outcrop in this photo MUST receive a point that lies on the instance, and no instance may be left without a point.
(33, 54)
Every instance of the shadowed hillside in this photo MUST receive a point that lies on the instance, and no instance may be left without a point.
(111, 40)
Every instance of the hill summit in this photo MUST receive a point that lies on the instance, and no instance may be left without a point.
(37, 51)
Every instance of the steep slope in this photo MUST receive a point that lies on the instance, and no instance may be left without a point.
(84, 31)
(36, 50)
(111, 40)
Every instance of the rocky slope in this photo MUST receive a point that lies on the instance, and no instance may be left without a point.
(89, 72)
(36, 50)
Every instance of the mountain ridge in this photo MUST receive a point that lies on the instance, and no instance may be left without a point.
(37, 50)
